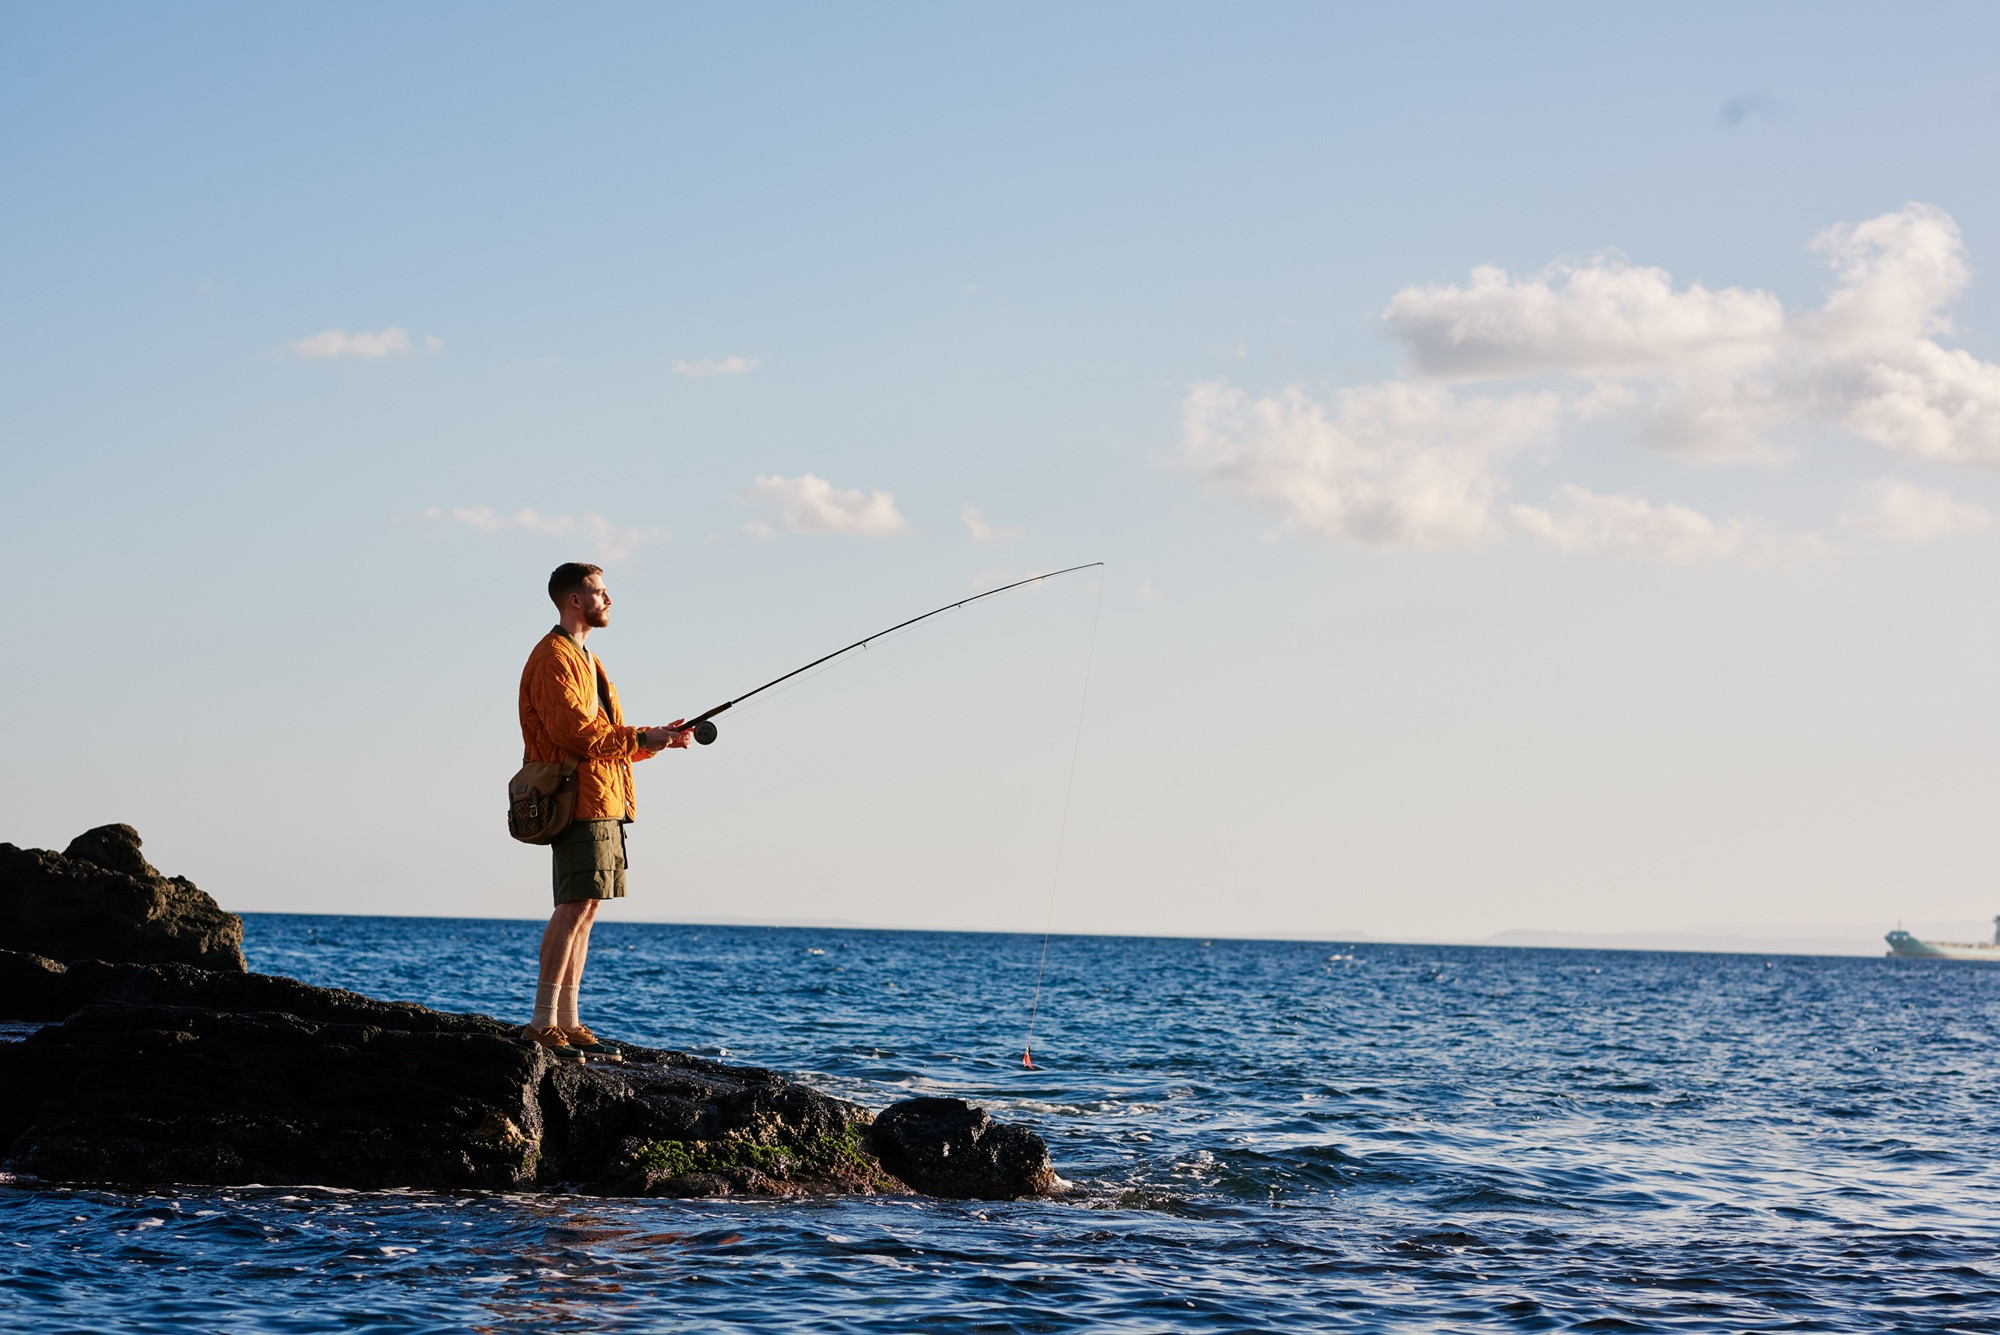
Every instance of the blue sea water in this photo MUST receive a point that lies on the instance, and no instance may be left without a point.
(1265, 1136)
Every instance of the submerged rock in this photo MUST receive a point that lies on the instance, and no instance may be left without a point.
(99, 899)
(947, 1147)
(167, 1073)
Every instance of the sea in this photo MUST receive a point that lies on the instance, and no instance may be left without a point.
(1262, 1135)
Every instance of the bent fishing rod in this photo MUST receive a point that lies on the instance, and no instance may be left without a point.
(703, 727)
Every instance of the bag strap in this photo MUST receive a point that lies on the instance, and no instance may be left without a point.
(603, 702)
(569, 766)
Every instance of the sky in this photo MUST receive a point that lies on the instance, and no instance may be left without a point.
(1543, 456)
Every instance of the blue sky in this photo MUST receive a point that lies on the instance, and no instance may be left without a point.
(1647, 585)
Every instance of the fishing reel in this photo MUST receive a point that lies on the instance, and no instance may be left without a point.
(703, 730)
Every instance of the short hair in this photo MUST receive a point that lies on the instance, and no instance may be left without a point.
(568, 578)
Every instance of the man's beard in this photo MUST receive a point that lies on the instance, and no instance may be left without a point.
(597, 618)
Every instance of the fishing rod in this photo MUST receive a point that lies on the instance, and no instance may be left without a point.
(704, 729)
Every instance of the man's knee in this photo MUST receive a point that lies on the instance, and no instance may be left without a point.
(577, 915)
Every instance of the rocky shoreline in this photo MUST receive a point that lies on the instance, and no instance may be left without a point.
(166, 1069)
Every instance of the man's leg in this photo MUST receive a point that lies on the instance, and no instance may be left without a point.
(589, 866)
(566, 938)
(567, 1019)
(566, 924)
(571, 977)
(579, 947)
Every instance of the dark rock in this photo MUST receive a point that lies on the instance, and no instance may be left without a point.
(166, 1073)
(947, 1147)
(34, 988)
(99, 899)
(114, 848)
(172, 1063)
(150, 1094)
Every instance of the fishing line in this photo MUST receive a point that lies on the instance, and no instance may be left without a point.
(1062, 832)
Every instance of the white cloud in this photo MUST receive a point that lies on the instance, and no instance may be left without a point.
(338, 343)
(1715, 419)
(1604, 319)
(1722, 369)
(809, 504)
(1905, 512)
(703, 367)
(1705, 373)
(1895, 275)
(1398, 464)
(432, 343)
(608, 541)
(1926, 401)
(486, 520)
(1587, 523)
(982, 531)
(1406, 465)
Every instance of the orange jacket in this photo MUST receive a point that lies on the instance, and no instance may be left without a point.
(557, 725)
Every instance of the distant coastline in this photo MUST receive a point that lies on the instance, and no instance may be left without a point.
(1846, 939)
(1718, 941)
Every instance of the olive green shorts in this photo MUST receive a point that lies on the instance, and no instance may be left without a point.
(590, 861)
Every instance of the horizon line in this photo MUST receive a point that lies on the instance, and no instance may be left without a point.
(1726, 942)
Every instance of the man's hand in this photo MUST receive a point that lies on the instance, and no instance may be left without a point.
(675, 735)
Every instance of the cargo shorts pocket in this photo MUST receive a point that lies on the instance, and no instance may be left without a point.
(590, 861)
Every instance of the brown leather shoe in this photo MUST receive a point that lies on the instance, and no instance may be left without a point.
(554, 1042)
(590, 1045)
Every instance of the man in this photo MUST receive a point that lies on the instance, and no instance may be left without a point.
(570, 715)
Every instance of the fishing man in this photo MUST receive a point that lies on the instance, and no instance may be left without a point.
(570, 714)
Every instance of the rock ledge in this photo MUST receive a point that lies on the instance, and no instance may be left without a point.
(168, 1074)
(164, 1061)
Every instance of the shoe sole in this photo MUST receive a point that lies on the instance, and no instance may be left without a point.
(558, 1054)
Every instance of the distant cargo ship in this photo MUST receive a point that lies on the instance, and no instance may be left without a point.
(1909, 947)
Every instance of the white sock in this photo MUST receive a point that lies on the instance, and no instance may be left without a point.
(566, 1006)
(545, 1006)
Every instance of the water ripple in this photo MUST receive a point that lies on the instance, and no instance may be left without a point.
(1265, 1136)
